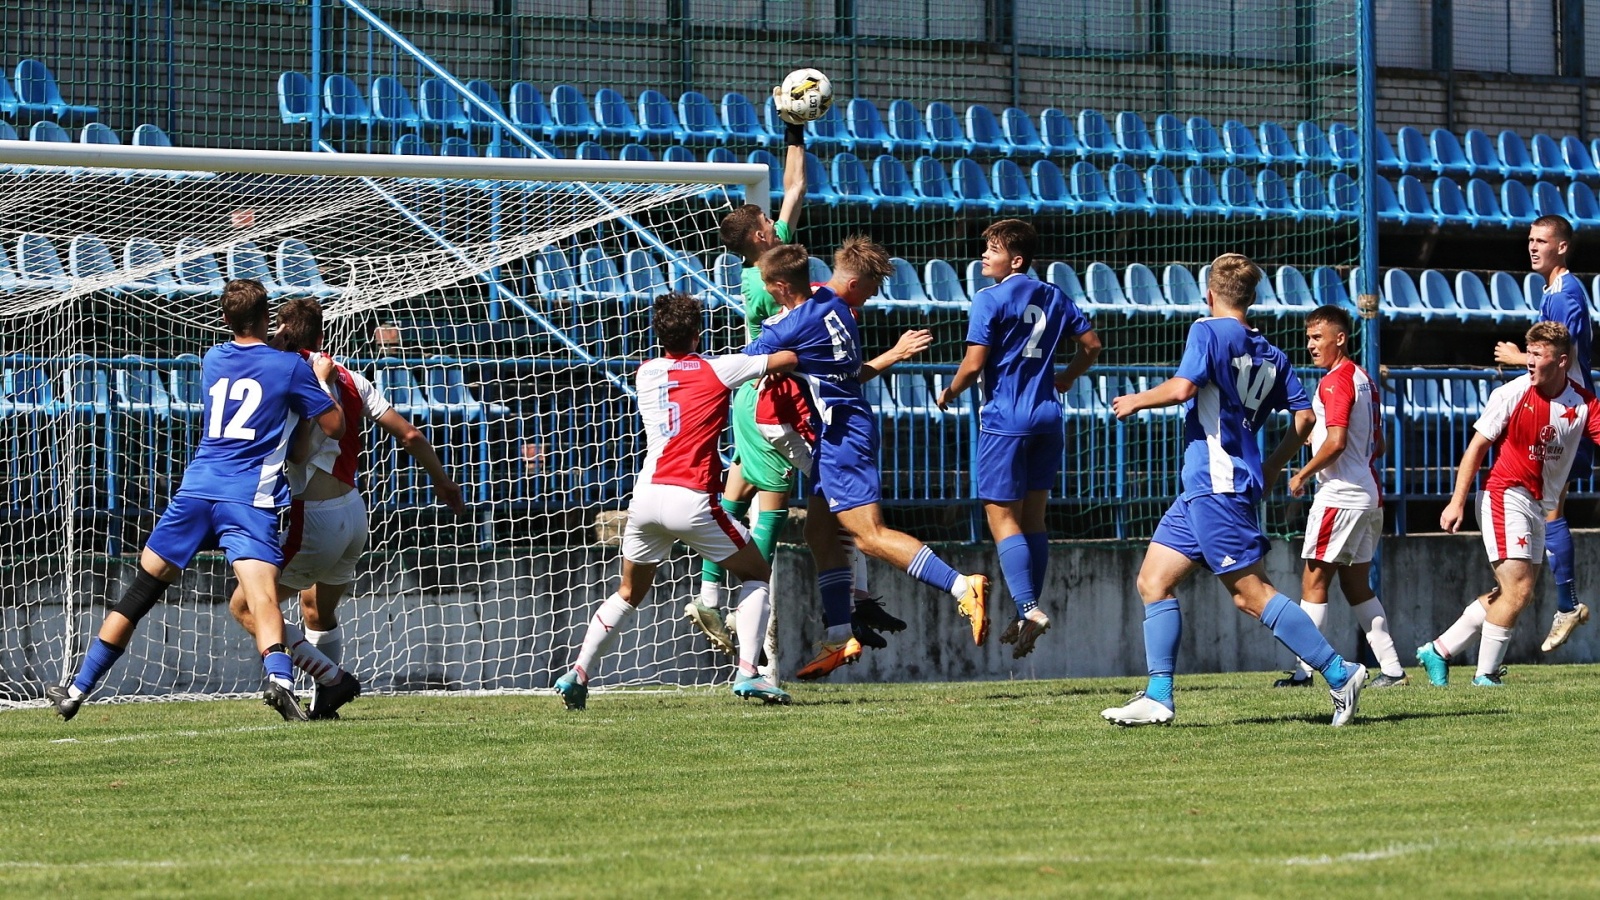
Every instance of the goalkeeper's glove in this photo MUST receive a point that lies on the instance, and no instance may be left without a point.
(788, 109)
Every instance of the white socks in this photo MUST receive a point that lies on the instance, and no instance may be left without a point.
(602, 628)
(1456, 636)
(710, 593)
(1375, 624)
(1318, 612)
(858, 564)
(1492, 648)
(959, 589)
(307, 657)
(750, 621)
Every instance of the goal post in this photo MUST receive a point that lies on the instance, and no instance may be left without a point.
(499, 304)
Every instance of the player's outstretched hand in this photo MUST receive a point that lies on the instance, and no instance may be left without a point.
(1509, 354)
(943, 400)
(1450, 519)
(449, 494)
(912, 343)
(1124, 406)
(786, 110)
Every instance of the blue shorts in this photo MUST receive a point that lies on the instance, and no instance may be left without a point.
(192, 524)
(1011, 465)
(845, 472)
(1232, 533)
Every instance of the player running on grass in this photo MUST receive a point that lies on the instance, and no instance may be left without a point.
(1564, 301)
(819, 328)
(1016, 326)
(1231, 380)
(1346, 517)
(327, 529)
(683, 401)
(229, 498)
(1535, 425)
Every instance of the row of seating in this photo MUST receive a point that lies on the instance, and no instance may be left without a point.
(1503, 300)
(143, 268)
(1507, 156)
(1410, 202)
(50, 131)
(33, 92)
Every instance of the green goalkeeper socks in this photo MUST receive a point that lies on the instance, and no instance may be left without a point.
(710, 572)
(769, 525)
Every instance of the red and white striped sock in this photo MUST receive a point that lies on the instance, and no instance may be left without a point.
(308, 658)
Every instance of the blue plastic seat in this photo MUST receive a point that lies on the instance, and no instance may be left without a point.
(929, 178)
(98, 133)
(944, 129)
(1450, 205)
(38, 264)
(983, 132)
(1345, 143)
(852, 182)
(1240, 145)
(774, 171)
(400, 387)
(701, 124)
(139, 389)
(555, 277)
(1239, 194)
(1514, 160)
(1059, 136)
(1103, 290)
(1273, 196)
(656, 119)
(1200, 190)
(976, 280)
(591, 150)
(391, 104)
(728, 272)
(38, 93)
(1182, 291)
(529, 112)
(1484, 204)
(1172, 147)
(942, 283)
(743, 124)
(1328, 288)
(1311, 195)
(1546, 154)
(1293, 293)
(141, 255)
(1412, 150)
(903, 284)
(1583, 205)
(893, 184)
(1507, 296)
(196, 271)
(1143, 292)
(1516, 204)
(1165, 193)
(9, 104)
(1133, 139)
(1313, 145)
(1438, 296)
(615, 119)
(412, 145)
(1050, 188)
(1474, 298)
(1388, 204)
(49, 132)
(479, 118)
(1276, 147)
(1448, 157)
(644, 277)
(1021, 133)
(1414, 201)
(1127, 189)
(598, 278)
(148, 135)
(246, 260)
(905, 126)
(819, 270)
(635, 153)
(89, 258)
(8, 132)
(297, 270)
(571, 115)
(1384, 155)
(1580, 164)
(342, 101)
(827, 133)
(1010, 188)
(1400, 298)
(819, 187)
(1547, 200)
(455, 145)
(869, 135)
(1206, 143)
(440, 106)
(1344, 197)
(1095, 140)
(1062, 276)
(1089, 190)
(1480, 154)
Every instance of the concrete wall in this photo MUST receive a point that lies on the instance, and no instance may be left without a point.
(1525, 104)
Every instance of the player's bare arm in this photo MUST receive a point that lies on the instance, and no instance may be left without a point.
(1471, 461)
(782, 361)
(416, 444)
(1293, 440)
(911, 344)
(332, 422)
(1168, 393)
(966, 375)
(794, 177)
(1089, 348)
(300, 444)
(1332, 446)
(1508, 354)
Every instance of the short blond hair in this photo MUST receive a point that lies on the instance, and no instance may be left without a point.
(787, 264)
(1553, 333)
(863, 257)
(1233, 281)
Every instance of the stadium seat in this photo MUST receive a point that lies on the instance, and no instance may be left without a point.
(556, 279)
(976, 280)
(1010, 187)
(1516, 204)
(944, 130)
(929, 178)
(1095, 140)
(529, 112)
(1581, 202)
(1415, 206)
(820, 272)
(1400, 297)
(1383, 154)
(1021, 133)
(616, 120)
(1547, 200)
(38, 94)
(903, 285)
(448, 395)
(137, 388)
(49, 132)
(1438, 296)
(774, 171)
(1514, 160)
(1580, 164)
(1103, 290)
(1311, 195)
(455, 145)
(477, 117)
(440, 106)
(1450, 205)
(1546, 155)
(905, 126)
(1313, 145)
(1474, 298)
(865, 125)
(1165, 193)
(852, 182)
(196, 271)
(396, 383)
(1206, 144)
(819, 187)
(1143, 292)
(593, 150)
(98, 133)
(827, 134)
(1273, 196)
(571, 115)
(148, 135)
(1240, 145)
(644, 277)
(1127, 190)
(1133, 139)
(1507, 296)
(142, 255)
(8, 132)
(88, 258)
(391, 104)
(1448, 157)
(1484, 204)
(39, 265)
(1480, 154)
(983, 132)
(687, 274)
(1060, 138)
(1533, 286)
(1388, 204)
(9, 103)
(1050, 188)
(635, 153)
(1200, 191)
(1412, 150)
(298, 272)
(1327, 289)
(656, 118)
(598, 278)
(678, 153)
(412, 145)
(85, 387)
(1293, 293)
(893, 184)
(342, 101)
(246, 260)
(1276, 148)
(728, 272)
(742, 124)
(1062, 276)
(1344, 197)
(942, 283)
(1172, 146)
(1239, 194)
(699, 120)
(1089, 191)
(1182, 291)
(1345, 143)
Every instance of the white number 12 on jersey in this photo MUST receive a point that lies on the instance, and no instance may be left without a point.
(247, 390)
(1253, 382)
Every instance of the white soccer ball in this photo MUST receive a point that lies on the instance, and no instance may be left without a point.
(804, 96)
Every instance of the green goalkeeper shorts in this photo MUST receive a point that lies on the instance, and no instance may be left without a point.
(759, 464)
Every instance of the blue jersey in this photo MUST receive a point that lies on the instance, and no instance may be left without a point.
(1022, 321)
(1566, 302)
(822, 332)
(253, 395)
(1242, 379)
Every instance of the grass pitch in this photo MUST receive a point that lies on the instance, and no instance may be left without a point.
(999, 788)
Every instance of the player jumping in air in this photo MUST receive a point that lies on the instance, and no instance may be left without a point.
(230, 496)
(327, 530)
(820, 329)
(1016, 326)
(683, 401)
(1231, 379)
(1549, 243)
(1346, 517)
(1535, 425)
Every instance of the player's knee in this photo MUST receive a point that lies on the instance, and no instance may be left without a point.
(140, 597)
(1152, 588)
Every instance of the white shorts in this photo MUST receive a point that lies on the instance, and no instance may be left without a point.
(324, 541)
(1343, 537)
(1513, 524)
(663, 513)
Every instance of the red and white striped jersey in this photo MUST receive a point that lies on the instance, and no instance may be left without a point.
(342, 458)
(1347, 398)
(683, 401)
(1535, 438)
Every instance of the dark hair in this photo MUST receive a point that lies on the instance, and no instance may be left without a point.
(1560, 224)
(1017, 237)
(1233, 281)
(244, 306)
(737, 228)
(676, 318)
(299, 325)
(1337, 316)
(787, 264)
(1553, 333)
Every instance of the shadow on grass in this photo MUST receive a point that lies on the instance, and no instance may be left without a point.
(1322, 718)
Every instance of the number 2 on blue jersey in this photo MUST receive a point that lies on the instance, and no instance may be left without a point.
(1034, 316)
(1254, 382)
(247, 390)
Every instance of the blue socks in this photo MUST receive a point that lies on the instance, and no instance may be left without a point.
(1016, 563)
(1163, 626)
(1558, 550)
(278, 665)
(1295, 630)
(834, 586)
(1038, 559)
(929, 569)
(96, 663)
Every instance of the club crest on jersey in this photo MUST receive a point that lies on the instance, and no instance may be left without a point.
(1548, 447)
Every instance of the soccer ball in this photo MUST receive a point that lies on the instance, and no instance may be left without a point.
(804, 96)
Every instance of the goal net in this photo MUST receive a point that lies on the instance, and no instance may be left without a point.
(500, 305)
